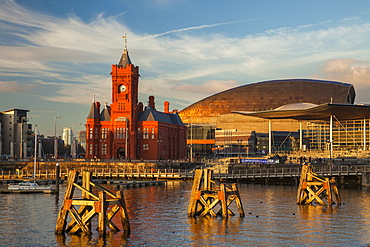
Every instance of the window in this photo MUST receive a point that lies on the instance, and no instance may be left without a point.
(145, 147)
(121, 106)
(104, 149)
(152, 133)
(146, 133)
(91, 133)
(104, 133)
(120, 133)
(138, 133)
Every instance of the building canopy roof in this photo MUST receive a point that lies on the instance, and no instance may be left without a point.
(304, 111)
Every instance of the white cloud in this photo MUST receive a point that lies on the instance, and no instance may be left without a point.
(210, 87)
(83, 92)
(350, 71)
(15, 86)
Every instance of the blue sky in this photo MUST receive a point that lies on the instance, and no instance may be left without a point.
(54, 55)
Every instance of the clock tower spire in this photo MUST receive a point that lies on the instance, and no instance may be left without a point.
(125, 59)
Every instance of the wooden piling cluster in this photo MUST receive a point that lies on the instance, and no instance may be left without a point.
(313, 188)
(207, 198)
(82, 210)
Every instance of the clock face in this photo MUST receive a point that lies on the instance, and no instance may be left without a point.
(122, 88)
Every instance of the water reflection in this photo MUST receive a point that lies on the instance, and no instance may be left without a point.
(111, 239)
(158, 217)
(208, 231)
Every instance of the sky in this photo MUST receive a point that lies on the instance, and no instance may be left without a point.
(55, 55)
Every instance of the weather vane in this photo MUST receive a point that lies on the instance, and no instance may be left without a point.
(125, 39)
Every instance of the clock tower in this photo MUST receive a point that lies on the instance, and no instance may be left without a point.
(125, 83)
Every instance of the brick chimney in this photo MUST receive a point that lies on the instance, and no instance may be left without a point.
(166, 107)
(151, 102)
(140, 107)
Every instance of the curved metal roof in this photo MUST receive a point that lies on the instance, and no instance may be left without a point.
(269, 95)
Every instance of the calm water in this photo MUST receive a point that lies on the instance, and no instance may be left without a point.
(158, 217)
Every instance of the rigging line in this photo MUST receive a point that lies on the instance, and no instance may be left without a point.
(42, 147)
(285, 140)
(353, 139)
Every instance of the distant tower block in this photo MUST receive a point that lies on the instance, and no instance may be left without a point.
(206, 199)
(82, 210)
(314, 189)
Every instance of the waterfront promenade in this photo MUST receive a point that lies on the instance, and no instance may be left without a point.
(351, 173)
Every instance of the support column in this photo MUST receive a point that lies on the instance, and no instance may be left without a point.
(300, 136)
(364, 134)
(331, 136)
(270, 138)
(126, 140)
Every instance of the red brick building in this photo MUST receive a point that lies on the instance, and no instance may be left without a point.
(125, 129)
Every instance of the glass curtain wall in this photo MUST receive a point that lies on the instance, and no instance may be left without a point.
(348, 136)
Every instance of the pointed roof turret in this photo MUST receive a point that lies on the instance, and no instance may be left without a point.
(125, 58)
(94, 111)
(105, 114)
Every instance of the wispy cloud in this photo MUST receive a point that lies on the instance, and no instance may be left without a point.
(15, 86)
(195, 28)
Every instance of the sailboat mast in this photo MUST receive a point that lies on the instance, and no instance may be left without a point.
(35, 155)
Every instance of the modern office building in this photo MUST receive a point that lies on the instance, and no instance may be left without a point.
(231, 133)
(125, 129)
(82, 139)
(16, 134)
(67, 136)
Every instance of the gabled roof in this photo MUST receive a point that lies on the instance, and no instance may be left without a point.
(105, 113)
(93, 114)
(149, 114)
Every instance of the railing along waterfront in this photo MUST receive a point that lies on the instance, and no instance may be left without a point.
(229, 173)
(294, 171)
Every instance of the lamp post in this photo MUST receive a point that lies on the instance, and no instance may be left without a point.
(55, 137)
(191, 138)
(191, 141)
(240, 143)
(74, 145)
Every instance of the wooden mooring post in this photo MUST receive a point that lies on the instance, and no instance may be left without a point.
(207, 198)
(83, 210)
(313, 188)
